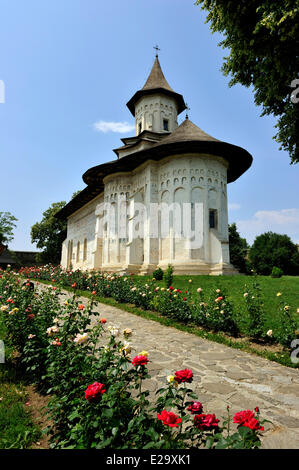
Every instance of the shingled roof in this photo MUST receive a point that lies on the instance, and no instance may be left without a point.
(156, 82)
(156, 78)
(186, 132)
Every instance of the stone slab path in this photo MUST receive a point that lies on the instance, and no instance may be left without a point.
(222, 375)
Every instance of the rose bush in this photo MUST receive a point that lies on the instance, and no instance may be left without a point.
(98, 398)
(210, 310)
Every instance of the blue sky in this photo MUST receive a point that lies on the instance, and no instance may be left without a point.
(68, 64)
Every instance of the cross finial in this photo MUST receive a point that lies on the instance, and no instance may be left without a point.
(187, 109)
(157, 49)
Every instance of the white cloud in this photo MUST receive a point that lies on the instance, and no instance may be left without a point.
(285, 221)
(105, 126)
(233, 206)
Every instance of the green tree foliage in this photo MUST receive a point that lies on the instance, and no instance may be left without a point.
(49, 234)
(272, 249)
(7, 224)
(238, 248)
(263, 39)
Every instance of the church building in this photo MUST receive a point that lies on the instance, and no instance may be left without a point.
(162, 201)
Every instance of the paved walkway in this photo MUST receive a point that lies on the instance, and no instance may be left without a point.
(222, 375)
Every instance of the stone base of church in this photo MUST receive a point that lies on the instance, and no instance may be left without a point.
(219, 269)
(147, 269)
(223, 269)
(201, 269)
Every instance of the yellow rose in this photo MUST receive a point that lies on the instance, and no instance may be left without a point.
(143, 353)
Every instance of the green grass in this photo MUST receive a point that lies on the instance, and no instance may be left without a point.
(17, 429)
(234, 287)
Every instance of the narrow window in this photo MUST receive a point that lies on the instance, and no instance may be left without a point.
(139, 127)
(165, 124)
(213, 218)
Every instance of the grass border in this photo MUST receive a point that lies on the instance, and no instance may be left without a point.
(220, 338)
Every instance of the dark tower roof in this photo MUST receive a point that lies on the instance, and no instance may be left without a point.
(156, 83)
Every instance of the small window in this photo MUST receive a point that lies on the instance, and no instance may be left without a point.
(139, 127)
(213, 218)
(165, 124)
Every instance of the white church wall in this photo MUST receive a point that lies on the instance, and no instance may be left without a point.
(174, 181)
(80, 227)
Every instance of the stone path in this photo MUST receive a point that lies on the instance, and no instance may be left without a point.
(222, 375)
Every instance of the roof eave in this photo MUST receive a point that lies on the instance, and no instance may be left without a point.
(178, 97)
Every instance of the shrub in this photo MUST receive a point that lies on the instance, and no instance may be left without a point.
(158, 274)
(276, 272)
(255, 309)
(168, 276)
(285, 331)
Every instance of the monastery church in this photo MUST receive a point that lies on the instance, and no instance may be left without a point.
(120, 223)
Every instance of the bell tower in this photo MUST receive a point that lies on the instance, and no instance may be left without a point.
(156, 106)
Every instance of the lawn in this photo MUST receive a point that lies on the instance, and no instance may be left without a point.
(235, 287)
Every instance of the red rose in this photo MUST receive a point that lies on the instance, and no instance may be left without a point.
(139, 361)
(103, 320)
(74, 284)
(253, 424)
(243, 416)
(94, 392)
(30, 316)
(184, 375)
(169, 419)
(81, 307)
(246, 418)
(206, 422)
(195, 407)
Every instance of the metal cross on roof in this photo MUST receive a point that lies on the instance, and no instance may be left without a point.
(157, 49)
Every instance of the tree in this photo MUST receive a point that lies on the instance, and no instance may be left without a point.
(272, 249)
(7, 224)
(49, 234)
(263, 39)
(238, 248)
